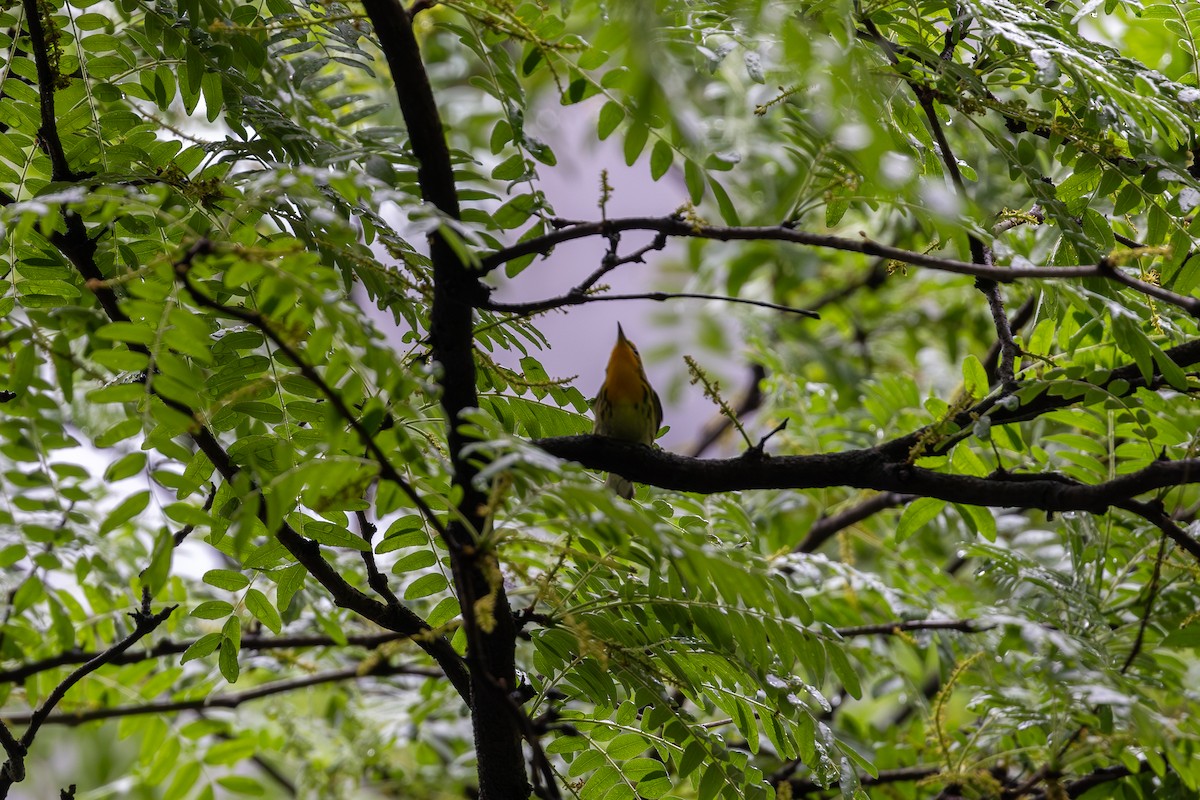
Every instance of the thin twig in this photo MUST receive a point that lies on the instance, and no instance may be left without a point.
(375, 578)
(826, 527)
(750, 399)
(381, 670)
(905, 626)
(572, 299)
(677, 227)
(885, 776)
(1020, 318)
(169, 647)
(757, 450)
(1151, 593)
(1009, 352)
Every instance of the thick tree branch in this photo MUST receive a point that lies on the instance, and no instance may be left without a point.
(491, 645)
(47, 83)
(1129, 376)
(866, 469)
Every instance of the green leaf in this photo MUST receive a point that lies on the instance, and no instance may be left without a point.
(975, 379)
(126, 510)
(635, 141)
(128, 332)
(126, 466)
(212, 609)
(425, 586)
(610, 117)
(226, 579)
(205, 645)
(227, 659)
(917, 515)
(661, 156)
(262, 609)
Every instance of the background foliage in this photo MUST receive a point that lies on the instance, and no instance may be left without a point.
(260, 539)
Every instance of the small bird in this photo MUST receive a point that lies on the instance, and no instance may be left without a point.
(627, 407)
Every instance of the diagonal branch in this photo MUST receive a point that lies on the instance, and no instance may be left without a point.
(258, 321)
(144, 621)
(996, 356)
(827, 527)
(980, 252)
(1155, 515)
(1151, 594)
(80, 249)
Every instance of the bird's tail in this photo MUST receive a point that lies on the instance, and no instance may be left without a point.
(622, 487)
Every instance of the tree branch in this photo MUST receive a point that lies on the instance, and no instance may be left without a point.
(751, 397)
(168, 647)
(905, 626)
(1129, 375)
(1075, 788)
(569, 299)
(996, 356)
(681, 228)
(1151, 594)
(258, 321)
(491, 647)
(885, 776)
(1154, 514)
(80, 250)
(47, 78)
(866, 469)
(827, 527)
(144, 621)
(232, 700)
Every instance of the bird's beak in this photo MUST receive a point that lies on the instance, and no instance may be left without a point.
(620, 333)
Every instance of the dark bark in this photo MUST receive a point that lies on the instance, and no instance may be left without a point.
(491, 650)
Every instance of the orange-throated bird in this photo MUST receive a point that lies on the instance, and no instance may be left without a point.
(627, 407)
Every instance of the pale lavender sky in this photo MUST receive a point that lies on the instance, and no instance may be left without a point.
(582, 338)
